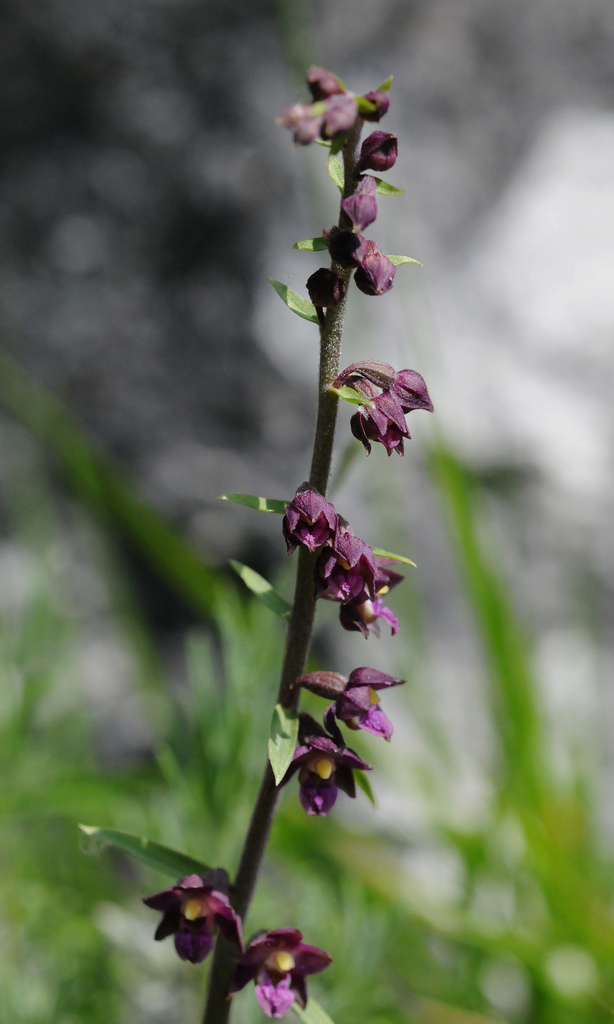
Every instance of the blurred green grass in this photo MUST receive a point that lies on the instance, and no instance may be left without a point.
(515, 923)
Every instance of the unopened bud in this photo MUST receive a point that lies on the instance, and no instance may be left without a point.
(325, 288)
(322, 84)
(378, 152)
(381, 101)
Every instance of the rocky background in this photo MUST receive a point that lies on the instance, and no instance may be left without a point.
(146, 193)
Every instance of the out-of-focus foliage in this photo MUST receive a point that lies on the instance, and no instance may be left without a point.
(439, 924)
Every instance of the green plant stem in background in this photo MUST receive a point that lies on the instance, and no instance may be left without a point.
(217, 1008)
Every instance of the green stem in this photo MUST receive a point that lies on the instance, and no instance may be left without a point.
(300, 627)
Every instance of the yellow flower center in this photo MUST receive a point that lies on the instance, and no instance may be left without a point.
(284, 961)
(324, 768)
(366, 611)
(344, 565)
(373, 698)
(192, 909)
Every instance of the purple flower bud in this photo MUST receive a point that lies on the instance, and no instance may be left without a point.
(322, 84)
(410, 389)
(324, 764)
(340, 115)
(193, 910)
(278, 962)
(325, 288)
(381, 101)
(376, 272)
(361, 207)
(304, 124)
(378, 152)
(309, 520)
(345, 248)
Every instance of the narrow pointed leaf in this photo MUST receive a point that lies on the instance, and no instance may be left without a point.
(365, 106)
(400, 260)
(395, 558)
(385, 86)
(384, 188)
(338, 143)
(263, 590)
(362, 781)
(312, 1014)
(252, 501)
(323, 142)
(313, 245)
(282, 740)
(163, 859)
(349, 394)
(295, 302)
(335, 169)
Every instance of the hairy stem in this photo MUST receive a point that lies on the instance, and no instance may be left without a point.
(300, 627)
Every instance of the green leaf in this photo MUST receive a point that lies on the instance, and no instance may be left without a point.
(349, 394)
(385, 86)
(400, 260)
(282, 740)
(335, 169)
(384, 188)
(365, 106)
(312, 1014)
(169, 862)
(362, 781)
(323, 142)
(312, 245)
(295, 302)
(263, 590)
(338, 143)
(395, 558)
(252, 501)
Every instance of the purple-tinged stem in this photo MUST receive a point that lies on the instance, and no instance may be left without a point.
(298, 639)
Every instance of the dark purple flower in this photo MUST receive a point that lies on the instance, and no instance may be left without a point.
(192, 910)
(339, 116)
(324, 764)
(376, 272)
(302, 122)
(358, 706)
(278, 961)
(363, 617)
(378, 152)
(309, 520)
(346, 569)
(345, 248)
(322, 84)
(361, 207)
(381, 101)
(382, 420)
(326, 288)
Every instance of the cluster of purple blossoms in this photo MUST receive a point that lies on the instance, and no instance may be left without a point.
(346, 570)
(331, 116)
(278, 961)
(389, 396)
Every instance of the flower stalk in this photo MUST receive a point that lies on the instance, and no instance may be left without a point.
(298, 639)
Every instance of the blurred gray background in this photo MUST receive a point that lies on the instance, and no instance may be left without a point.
(146, 193)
